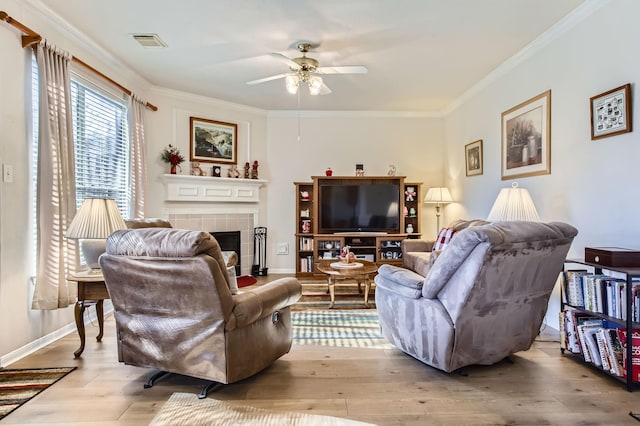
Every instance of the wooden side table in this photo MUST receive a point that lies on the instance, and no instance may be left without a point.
(92, 290)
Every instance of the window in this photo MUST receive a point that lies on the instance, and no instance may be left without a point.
(101, 138)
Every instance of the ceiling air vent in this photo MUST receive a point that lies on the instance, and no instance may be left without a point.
(149, 40)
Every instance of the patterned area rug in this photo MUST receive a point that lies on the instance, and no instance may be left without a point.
(346, 328)
(18, 386)
(315, 295)
(184, 409)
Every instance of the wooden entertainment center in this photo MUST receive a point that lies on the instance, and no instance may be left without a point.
(313, 243)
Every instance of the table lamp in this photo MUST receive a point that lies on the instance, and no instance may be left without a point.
(513, 204)
(95, 221)
(438, 196)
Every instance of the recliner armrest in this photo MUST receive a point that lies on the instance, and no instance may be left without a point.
(251, 305)
(400, 281)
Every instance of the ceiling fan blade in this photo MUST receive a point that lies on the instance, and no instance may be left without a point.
(324, 89)
(348, 69)
(285, 59)
(264, 80)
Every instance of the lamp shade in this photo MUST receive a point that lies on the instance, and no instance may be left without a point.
(438, 195)
(513, 204)
(97, 219)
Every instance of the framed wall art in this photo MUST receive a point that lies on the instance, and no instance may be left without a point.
(473, 158)
(213, 141)
(611, 112)
(526, 138)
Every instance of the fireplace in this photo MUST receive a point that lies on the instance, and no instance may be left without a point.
(215, 203)
(230, 241)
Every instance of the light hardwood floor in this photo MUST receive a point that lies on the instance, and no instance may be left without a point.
(380, 386)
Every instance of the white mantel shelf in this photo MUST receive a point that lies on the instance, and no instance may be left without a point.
(209, 189)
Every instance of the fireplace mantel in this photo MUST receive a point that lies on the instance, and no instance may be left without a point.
(211, 189)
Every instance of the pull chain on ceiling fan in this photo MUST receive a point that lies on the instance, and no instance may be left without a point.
(305, 69)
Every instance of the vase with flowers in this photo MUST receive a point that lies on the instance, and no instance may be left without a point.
(172, 155)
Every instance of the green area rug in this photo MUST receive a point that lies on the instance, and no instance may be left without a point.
(18, 386)
(186, 409)
(344, 328)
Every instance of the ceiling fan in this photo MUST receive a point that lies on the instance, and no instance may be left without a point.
(305, 69)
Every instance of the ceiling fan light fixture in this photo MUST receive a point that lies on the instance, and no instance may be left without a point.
(292, 82)
(315, 84)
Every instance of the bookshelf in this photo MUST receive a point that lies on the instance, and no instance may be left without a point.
(610, 297)
(312, 246)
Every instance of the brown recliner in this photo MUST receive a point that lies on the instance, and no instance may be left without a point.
(174, 311)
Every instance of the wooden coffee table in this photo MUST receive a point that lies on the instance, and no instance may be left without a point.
(360, 270)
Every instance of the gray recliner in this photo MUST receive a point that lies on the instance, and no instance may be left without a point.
(483, 298)
(174, 310)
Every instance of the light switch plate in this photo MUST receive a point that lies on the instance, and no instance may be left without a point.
(7, 173)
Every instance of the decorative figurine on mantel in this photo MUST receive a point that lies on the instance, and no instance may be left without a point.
(392, 170)
(196, 170)
(246, 170)
(233, 172)
(254, 170)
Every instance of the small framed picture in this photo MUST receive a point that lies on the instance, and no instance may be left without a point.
(473, 158)
(611, 112)
(216, 171)
(213, 141)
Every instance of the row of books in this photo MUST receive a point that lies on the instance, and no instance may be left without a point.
(306, 243)
(599, 342)
(601, 293)
(306, 264)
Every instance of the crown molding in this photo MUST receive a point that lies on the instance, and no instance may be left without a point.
(365, 114)
(561, 27)
(75, 35)
(214, 102)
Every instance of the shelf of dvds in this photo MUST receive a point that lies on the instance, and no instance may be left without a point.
(599, 305)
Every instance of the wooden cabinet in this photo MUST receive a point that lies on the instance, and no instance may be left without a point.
(616, 309)
(381, 247)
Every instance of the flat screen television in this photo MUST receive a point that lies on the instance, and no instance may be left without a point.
(365, 207)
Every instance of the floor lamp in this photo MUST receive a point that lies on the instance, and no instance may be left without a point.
(438, 196)
(95, 221)
(513, 204)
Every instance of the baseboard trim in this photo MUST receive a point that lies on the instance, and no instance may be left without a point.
(44, 341)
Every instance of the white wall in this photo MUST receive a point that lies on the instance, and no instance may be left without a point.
(593, 185)
(339, 141)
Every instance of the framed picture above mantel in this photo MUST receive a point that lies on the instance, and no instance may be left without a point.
(526, 138)
(213, 141)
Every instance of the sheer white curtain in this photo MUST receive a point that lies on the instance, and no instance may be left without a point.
(56, 204)
(137, 110)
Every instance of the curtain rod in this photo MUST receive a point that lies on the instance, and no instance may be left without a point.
(31, 37)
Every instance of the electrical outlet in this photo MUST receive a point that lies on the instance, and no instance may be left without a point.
(283, 248)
